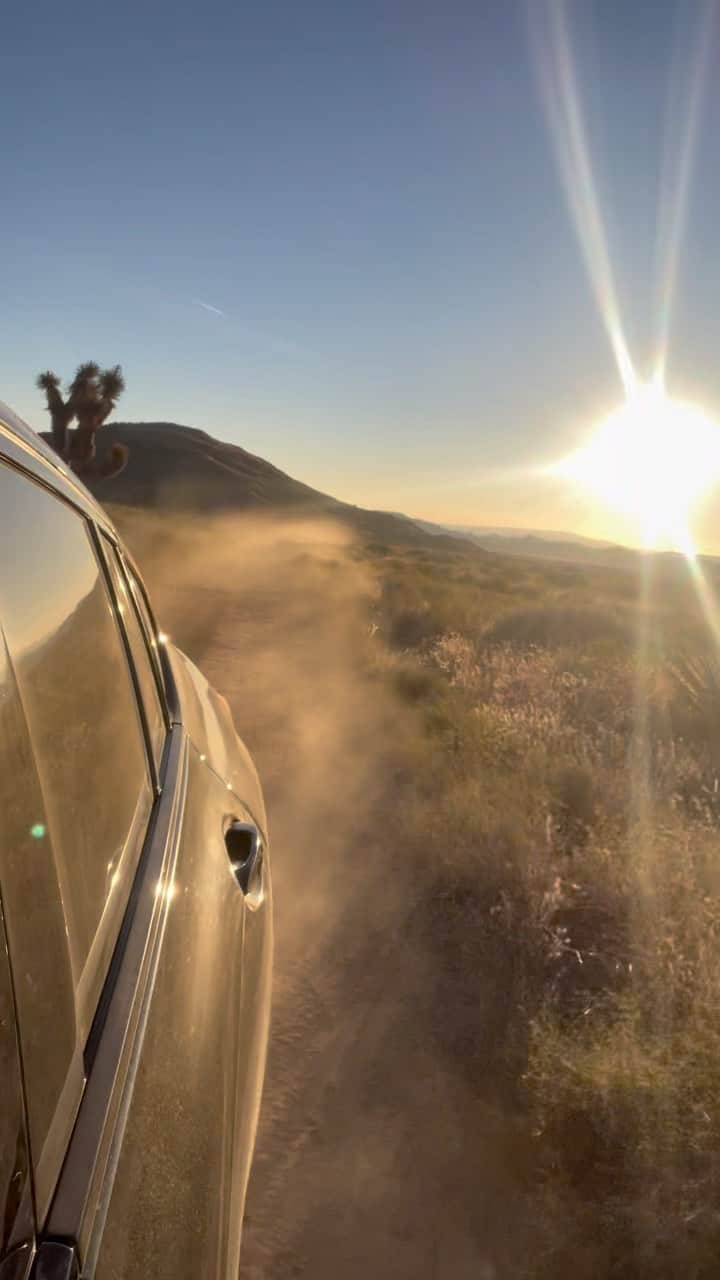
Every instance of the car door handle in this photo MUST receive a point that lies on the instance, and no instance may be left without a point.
(244, 844)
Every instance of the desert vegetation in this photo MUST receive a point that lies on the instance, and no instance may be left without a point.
(535, 751)
(571, 775)
(89, 400)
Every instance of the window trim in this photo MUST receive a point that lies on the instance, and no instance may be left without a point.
(161, 775)
(167, 676)
(98, 539)
(135, 586)
(162, 671)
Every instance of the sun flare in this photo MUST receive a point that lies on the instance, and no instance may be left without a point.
(651, 459)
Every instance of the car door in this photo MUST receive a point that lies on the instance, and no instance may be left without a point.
(205, 1037)
(126, 922)
(17, 1226)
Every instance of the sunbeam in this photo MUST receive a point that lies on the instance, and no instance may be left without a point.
(681, 140)
(708, 602)
(567, 129)
(640, 793)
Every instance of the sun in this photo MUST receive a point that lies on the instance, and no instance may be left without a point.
(650, 460)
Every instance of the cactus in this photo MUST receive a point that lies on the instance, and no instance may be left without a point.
(91, 398)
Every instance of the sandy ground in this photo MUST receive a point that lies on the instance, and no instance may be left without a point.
(370, 1150)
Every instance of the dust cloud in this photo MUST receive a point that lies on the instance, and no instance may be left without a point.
(372, 1154)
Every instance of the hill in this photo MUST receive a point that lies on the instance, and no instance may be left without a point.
(177, 468)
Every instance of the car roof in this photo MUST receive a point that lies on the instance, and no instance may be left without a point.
(25, 448)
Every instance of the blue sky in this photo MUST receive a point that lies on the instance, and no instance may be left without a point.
(369, 195)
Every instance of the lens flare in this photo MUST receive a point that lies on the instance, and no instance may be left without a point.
(561, 100)
(651, 460)
(681, 133)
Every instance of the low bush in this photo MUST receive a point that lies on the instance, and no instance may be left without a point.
(565, 835)
(553, 626)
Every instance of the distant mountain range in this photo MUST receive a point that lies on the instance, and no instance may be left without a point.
(571, 548)
(544, 548)
(549, 535)
(180, 468)
(542, 544)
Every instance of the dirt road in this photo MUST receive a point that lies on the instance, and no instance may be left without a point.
(371, 1150)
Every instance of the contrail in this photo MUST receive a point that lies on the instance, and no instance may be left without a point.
(207, 306)
(567, 129)
(273, 339)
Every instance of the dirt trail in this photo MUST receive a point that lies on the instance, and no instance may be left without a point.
(370, 1151)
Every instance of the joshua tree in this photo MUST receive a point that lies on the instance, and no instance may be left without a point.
(91, 398)
(61, 412)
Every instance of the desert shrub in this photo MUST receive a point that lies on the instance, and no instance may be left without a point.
(695, 704)
(553, 626)
(627, 1124)
(410, 627)
(477, 911)
(573, 803)
(625, 1094)
(455, 655)
(415, 683)
(563, 831)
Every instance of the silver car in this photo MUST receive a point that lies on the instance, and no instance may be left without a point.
(136, 927)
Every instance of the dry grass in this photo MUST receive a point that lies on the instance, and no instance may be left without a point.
(573, 785)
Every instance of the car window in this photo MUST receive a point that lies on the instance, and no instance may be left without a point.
(80, 705)
(37, 941)
(141, 656)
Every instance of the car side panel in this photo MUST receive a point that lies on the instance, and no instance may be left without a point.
(208, 723)
(176, 1195)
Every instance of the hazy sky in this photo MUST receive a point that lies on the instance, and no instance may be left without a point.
(335, 232)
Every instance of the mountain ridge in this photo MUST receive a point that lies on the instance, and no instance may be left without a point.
(178, 468)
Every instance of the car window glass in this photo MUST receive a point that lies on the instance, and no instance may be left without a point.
(142, 661)
(81, 709)
(37, 941)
